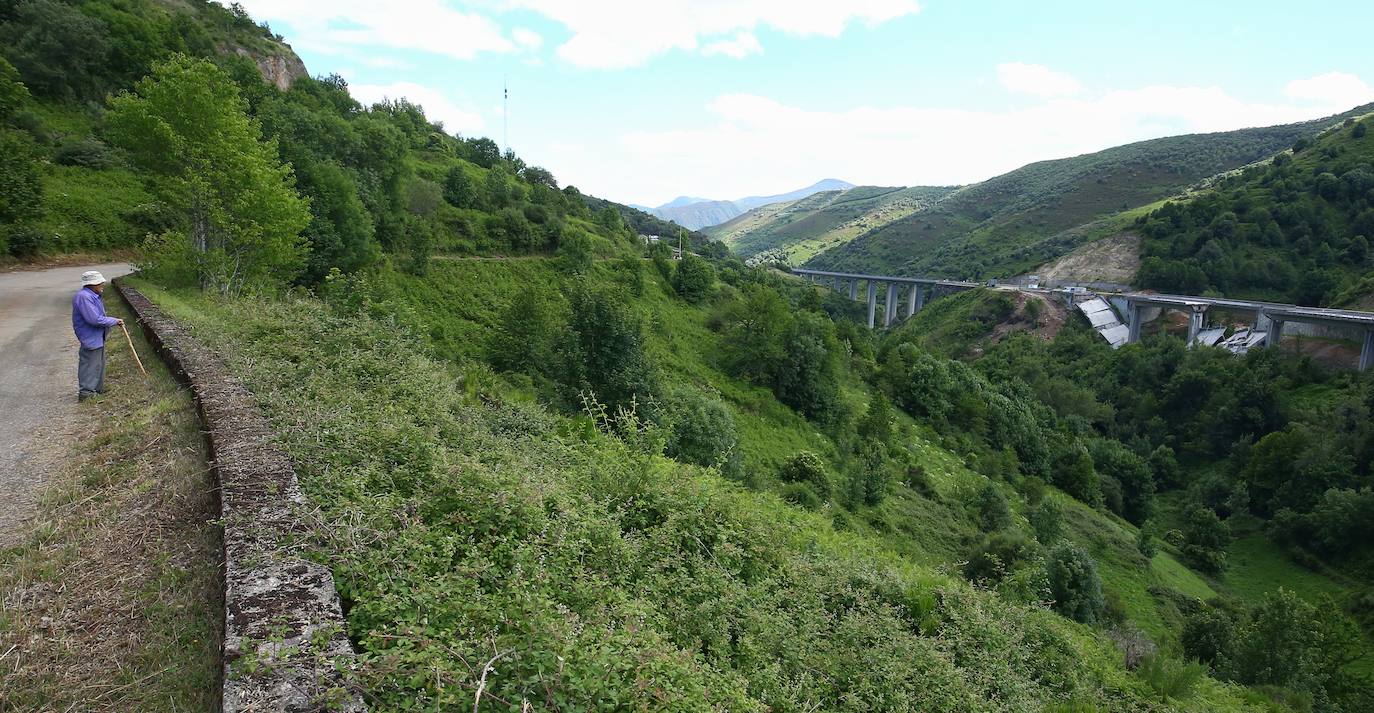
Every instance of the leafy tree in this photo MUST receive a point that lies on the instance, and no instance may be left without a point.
(13, 93)
(610, 219)
(527, 333)
(701, 430)
(1286, 641)
(752, 329)
(878, 420)
(1074, 583)
(60, 52)
(1073, 473)
(1206, 538)
(1047, 519)
(340, 233)
(239, 217)
(21, 187)
(1112, 459)
(807, 377)
(693, 278)
(605, 353)
(993, 511)
(459, 190)
(1207, 634)
(807, 467)
(575, 253)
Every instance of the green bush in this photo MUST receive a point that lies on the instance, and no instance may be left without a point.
(993, 511)
(1047, 519)
(997, 555)
(1075, 587)
(701, 429)
(693, 278)
(807, 467)
(1169, 678)
(1205, 539)
(801, 495)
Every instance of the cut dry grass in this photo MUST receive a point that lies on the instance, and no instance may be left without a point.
(113, 600)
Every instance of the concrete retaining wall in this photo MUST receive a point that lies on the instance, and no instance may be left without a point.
(285, 647)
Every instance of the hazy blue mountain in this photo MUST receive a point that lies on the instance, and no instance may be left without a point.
(696, 213)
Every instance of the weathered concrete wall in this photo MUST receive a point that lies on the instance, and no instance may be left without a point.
(285, 646)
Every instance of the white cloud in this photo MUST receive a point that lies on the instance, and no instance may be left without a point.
(611, 34)
(527, 38)
(1036, 79)
(426, 25)
(741, 46)
(437, 106)
(784, 146)
(1331, 88)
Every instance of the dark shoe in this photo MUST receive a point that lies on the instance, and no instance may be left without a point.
(83, 395)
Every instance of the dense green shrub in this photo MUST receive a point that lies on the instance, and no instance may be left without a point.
(1075, 587)
(1205, 539)
(1170, 678)
(701, 429)
(1047, 519)
(809, 468)
(996, 555)
(993, 511)
(1207, 634)
(693, 278)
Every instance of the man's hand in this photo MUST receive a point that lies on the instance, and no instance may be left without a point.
(119, 321)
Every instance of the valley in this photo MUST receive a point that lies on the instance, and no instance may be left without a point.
(536, 459)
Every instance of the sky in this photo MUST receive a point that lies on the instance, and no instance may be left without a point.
(643, 101)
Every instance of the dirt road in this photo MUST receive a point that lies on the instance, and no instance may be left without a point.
(37, 378)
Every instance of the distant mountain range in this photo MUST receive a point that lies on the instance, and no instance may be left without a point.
(1008, 224)
(695, 213)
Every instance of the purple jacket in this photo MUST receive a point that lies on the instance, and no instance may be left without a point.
(89, 320)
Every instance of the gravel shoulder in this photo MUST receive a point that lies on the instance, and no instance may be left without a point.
(37, 380)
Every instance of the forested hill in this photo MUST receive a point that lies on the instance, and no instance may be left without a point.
(1294, 230)
(380, 182)
(1024, 218)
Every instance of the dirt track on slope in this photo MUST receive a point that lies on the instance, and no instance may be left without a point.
(37, 379)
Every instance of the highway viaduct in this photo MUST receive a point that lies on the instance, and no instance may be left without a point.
(1270, 317)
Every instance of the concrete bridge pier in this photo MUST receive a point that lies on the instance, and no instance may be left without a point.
(1196, 319)
(915, 297)
(1274, 334)
(1132, 322)
(872, 301)
(1367, 353)
(853, 290)
(835, 284)
(890, 304)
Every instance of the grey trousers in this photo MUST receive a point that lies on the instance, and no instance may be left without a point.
(90, 372)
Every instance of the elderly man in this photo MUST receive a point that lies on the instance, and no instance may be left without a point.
(90, 324)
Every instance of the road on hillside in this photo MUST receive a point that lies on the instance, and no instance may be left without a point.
(37, 378)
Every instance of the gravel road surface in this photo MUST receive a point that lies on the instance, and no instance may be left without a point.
(37, 380)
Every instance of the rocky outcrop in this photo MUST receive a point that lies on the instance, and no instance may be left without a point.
(279, 70)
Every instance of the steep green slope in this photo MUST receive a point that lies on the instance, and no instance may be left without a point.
(1013, 222)
(793, 232)
(1293, 230)
(1240, 439)
(608, 573)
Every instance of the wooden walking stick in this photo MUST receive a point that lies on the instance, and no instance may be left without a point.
(131, 349)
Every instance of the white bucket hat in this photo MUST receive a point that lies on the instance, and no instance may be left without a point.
(92, 277)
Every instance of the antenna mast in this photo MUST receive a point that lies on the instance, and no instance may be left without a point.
(505, 115)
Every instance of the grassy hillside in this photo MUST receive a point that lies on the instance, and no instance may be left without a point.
(1011, 223)
(1293, 230)
(1223, 418)
(643, 580)
(791, 233)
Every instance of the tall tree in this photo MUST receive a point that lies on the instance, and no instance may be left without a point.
(239, 218)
